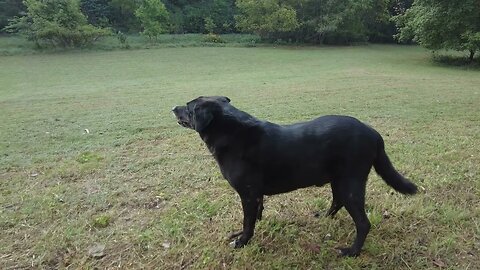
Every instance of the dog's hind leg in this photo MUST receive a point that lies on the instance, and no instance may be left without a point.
(336, 201)
(353, 197)
(260, 208)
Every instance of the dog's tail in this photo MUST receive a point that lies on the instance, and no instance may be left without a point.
(385, 169)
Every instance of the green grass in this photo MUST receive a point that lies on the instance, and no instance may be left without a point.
(150, 192)
(18, 45)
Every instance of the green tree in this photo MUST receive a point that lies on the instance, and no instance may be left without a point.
(188, 16)
(56, 22)
(98, 12)
(317, 21)
(123, 15)
(10, 9)
(381, 28)
(154, 18)
(210, 25)
(442, 24)
(222, 13)
(267, 18)
(341, 21)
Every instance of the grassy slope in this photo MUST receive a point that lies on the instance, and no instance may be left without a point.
(150, 192)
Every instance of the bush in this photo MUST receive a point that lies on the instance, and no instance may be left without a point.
(60, 36)
(56, 22)
(154, 18)
(122, 38)
(209, 25)
(213, 38)
(266, 18)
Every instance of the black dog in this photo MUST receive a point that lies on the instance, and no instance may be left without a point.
(261, 158)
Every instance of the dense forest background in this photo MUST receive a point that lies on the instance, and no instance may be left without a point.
(313, 21)
(433, 24)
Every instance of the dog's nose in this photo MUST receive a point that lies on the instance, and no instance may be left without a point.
(174, 109)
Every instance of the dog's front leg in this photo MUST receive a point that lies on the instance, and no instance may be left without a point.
(259, 217)
(250, 205)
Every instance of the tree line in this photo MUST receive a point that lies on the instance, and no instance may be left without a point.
(434, 24)
(315, 21)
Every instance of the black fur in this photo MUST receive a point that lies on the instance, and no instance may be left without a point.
(261, 158)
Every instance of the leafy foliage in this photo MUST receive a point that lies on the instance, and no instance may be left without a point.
(267, 18)
(209, 25)
(435, 24)
(441, 24)
(213, 38)
(122, 38)
(343, 21)
(329, 21)
(98, 12)
(381, 28)
(9, 9)
(190, 16)
(154, 18)
(56, 22)
(123, 15)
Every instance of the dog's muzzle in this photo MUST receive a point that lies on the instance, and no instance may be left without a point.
(180, 120)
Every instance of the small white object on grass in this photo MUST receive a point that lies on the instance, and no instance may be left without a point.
(233, 243)
(96, 251)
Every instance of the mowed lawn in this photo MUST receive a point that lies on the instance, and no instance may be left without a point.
(95, 172)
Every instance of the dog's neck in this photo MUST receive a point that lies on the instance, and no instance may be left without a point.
(233, 123)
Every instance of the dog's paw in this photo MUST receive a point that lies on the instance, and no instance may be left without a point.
(234, 235)
(237, 243)
(348, 252)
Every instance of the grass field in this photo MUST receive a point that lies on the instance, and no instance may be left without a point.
(18, 45)
(138, 191)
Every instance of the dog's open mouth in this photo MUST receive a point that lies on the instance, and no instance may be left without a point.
(183, 123)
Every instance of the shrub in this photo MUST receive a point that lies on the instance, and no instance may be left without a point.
(154, 18)
(209, 25)
(122, 38)
(213, 38)
(56, 22)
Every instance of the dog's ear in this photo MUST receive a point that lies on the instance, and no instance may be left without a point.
(225, 99)
(202, 116)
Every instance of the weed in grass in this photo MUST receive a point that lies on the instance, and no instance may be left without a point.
(145, 239)
(375, 217)
(87, 157)
(101, 221)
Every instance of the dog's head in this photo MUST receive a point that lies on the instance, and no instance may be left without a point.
(199, 113)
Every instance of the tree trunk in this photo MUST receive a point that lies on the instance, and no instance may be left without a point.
(472, 54)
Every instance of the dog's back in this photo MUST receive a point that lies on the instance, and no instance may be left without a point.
(314, 152)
